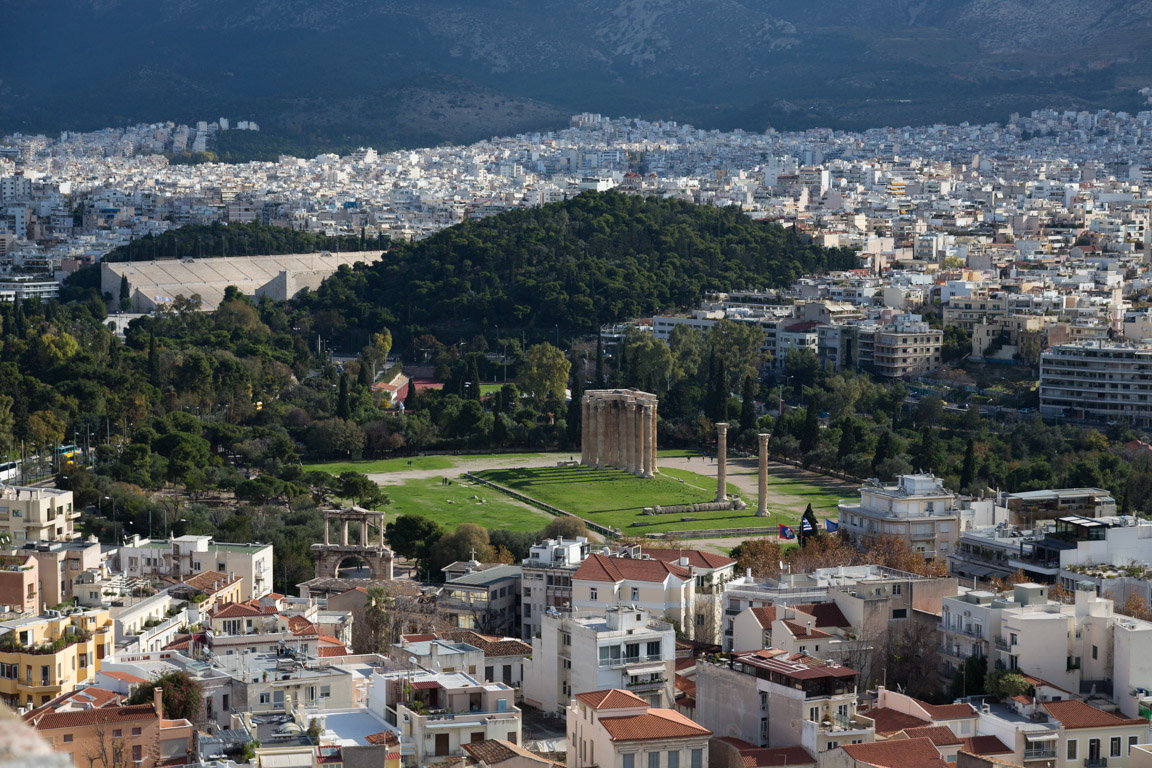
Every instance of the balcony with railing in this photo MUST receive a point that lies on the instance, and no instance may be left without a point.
(1095, 762)
(1038, 752)
(621, 661)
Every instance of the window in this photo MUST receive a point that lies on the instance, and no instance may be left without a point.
(899, 613)
(592, 593)
(699, 619)
(1132, 741)
(673, 758)
(653, 760)
(116, 734)
(698, 758)
(67, 738)
(265, 698)
(1093, 652)
(653, 649)
(1071, 751)
(628, 761)
(135, 731)
(609, 654)
(1114, 747)
(527, 591)
(814, 714)
(635, 593)
(137, 753)
(897, 589)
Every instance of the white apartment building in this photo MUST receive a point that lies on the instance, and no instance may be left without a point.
(37, 514)
(1098, 381)
(546, 579)
(617, 648)
(185, 556)
(617, 729)
(773, 698)
(917, 509)
(440, 712)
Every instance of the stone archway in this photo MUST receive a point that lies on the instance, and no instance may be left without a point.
(370, 550)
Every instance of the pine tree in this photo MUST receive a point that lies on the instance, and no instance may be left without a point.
(968, 470)
(748, 405)
(847, 438)
(343, 405)
(810, 432)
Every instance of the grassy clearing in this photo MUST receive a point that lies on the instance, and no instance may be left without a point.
(615, 498)
(462, 502)
(429, 463)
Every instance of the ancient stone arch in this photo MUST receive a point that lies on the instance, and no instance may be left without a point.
(370, 547)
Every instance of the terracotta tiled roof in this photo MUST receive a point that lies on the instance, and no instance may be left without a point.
(612, 698)
(889, 721)
(947, 711)
(210, 582)
(176, 645)
(985, 745)
(655, 724)
(88, 698)
(614, 569)
(826, 614)
(1077, 714)
(332, 650)
(768, 757)
(683, 664)
(803, 633)
(696, 557)
(83, 717)
(899, 753)
(940, 735)
(417, 638)
(383, 737)
(496, 751)
(765, 614)
(237, 611)
(491, 645)
(685, 685)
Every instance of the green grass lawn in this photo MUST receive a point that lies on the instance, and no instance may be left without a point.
(615, 498)
(437, 462)
(453, 504)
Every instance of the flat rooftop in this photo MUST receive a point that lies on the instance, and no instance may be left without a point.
(352, 727)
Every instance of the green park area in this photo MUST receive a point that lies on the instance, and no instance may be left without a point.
(462, 502)
(615, 498)
(428, 463)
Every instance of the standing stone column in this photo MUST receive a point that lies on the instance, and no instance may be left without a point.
(586, 431)
(344, 538)
(649, 439)
(721, 461)
(634, 439)
(601, 445)
(622, 434)
(762, 480)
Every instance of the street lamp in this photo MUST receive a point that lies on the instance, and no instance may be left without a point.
(109, 498)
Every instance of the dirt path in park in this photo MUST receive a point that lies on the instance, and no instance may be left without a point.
(464, 464)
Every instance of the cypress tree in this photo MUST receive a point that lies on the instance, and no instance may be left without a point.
(364, 376)
(748, 405)
(883, 450)
(575, 409)
(810, 432)
(124, 292)
(847, 438)
(153, 360)
(410, 400)
(599, 362)
(343, 405)
(968, 470)
(928, 451)
(474, 377)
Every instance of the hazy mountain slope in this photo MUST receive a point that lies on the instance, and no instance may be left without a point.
(526, 63)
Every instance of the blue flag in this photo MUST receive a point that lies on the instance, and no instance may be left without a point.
(805, 525)
(831, 526)
(786, 532)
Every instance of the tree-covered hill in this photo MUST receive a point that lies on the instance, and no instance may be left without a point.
(593, 259)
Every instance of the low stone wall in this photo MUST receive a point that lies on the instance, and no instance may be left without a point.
(706, 506)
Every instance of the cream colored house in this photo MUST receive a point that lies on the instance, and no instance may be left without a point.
(617, 729)
(37, 514)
